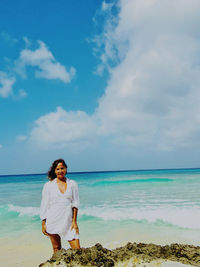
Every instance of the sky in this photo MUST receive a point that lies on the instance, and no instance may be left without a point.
(106, 85)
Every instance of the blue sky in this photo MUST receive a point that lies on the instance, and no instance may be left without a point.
(104, 84)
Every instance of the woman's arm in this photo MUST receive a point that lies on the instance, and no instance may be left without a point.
(44, 227)
(44, 207)
(44, 202)
(75, 205)
(74, 220)
(75, 213)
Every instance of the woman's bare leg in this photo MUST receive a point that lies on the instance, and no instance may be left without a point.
(55, 241)
(74, 244)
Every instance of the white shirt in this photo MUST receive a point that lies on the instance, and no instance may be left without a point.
(56, 208)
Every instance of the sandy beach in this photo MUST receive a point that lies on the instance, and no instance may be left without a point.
(33, 249)
(24, 251)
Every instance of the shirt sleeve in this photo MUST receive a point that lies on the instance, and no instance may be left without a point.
(44, 203)
(75, 196)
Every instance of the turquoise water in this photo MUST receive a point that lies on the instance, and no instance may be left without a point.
(157, 200)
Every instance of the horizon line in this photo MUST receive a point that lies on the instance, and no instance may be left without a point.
(79, 172)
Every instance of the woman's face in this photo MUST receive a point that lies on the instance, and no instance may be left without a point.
(60, 170)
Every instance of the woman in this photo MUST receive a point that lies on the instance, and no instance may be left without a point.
(59, 207)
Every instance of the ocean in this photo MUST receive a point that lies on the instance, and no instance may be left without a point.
(161, 206)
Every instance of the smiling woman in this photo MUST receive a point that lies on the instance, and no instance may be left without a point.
(59, 207)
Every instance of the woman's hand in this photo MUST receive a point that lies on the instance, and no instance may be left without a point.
(75, 227)
(44, 227)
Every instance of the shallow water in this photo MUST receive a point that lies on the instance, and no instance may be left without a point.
(160, 204)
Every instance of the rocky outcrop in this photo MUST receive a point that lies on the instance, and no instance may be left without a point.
(130, 255)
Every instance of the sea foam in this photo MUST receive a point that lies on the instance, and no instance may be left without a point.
(184, 218)
(24, 210)
(181, 217)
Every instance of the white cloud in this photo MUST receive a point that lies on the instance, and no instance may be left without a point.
(41, 59)
(1, 146)
(63, 127)
(152, 97)
(45, 63)
(106, 6)
(6, 84)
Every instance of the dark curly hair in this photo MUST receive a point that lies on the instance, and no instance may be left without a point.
(51, 172)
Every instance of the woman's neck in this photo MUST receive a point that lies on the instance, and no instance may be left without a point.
(61, 179)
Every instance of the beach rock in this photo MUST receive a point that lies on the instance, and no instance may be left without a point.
(131, 255)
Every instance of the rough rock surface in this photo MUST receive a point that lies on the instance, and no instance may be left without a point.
(130, 255)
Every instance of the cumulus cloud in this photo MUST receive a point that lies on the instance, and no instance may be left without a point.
(152, 97)
(45, 63)
(6, 84)
(41, 59)
(63, 127)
